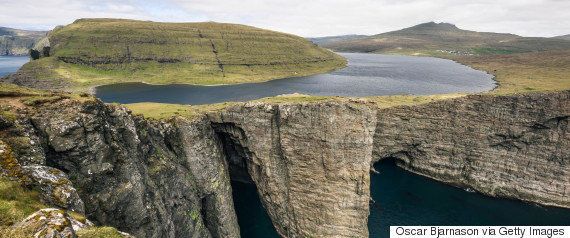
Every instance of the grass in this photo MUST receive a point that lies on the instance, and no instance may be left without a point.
(92, 52)
(161, 111)
(526, 72)
(99, 232)
(16, 202)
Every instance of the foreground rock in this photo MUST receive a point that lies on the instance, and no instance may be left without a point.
(51, 223)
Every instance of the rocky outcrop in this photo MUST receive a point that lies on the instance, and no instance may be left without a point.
(309, 161)
(51, 223)
(506, 146)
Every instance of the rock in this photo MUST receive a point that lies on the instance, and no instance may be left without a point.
(51, 223)
(55, 186)
(137, 175)
(309, 162)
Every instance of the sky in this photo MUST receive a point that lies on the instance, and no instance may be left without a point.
(309, 18)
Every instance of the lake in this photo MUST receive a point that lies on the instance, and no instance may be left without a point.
(11, 64)
(365, 75)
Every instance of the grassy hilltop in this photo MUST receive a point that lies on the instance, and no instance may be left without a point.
(443, 38)
(92, 52)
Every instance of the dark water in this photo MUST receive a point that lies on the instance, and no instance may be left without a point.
(252, 217)
(403, 198)
(11, 64)
(366, 75)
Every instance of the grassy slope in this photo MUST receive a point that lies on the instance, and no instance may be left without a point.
(430, 38)
(93, 52)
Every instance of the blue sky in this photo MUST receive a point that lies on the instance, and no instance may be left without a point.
(306, 17)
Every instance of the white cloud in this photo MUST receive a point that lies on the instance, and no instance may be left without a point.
(307, 17)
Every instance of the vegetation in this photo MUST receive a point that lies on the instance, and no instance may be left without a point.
(160, 111)
(93, 52)
(16, 202)
(99, 232)
(526, 72)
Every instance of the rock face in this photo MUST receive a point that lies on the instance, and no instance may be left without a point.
(309, 161)
(134, 174)
(507, 146)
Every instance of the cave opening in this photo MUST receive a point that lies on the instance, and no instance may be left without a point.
(252, 217)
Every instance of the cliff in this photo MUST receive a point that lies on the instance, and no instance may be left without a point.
(14, 42)
(309, 161)
(514, 146)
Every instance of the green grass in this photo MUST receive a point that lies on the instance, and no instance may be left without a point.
(92, 52)
(16, 202)
(160, 111)
(99, 232)
(526, 72)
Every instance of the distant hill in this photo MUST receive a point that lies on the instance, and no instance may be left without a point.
(332, 39)
(93, 52)
(18, 42)
(564, 37)
(434, 38)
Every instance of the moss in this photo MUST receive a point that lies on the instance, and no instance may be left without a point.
(99, 232)
(77, 216)
(9, 164)
(194, 214)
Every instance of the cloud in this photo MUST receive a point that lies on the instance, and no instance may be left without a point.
(307, 18)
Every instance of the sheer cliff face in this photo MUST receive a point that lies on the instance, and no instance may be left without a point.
(309, 161)
(509, 146)
(150, 179)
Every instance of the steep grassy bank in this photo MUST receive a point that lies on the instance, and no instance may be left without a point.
(93, 52)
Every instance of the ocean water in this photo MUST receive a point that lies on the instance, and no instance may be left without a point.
(11, 64)
(402, 198)
(366, 75)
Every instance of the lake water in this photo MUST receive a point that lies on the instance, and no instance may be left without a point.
(366, 75)
(11, 64)
(402, 198)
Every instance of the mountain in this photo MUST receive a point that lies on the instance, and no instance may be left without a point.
(564, 37)
(432, 38)
(93, 52)
(18, 42)
(332, 39)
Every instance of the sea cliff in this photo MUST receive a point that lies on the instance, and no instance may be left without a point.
(310, 161)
